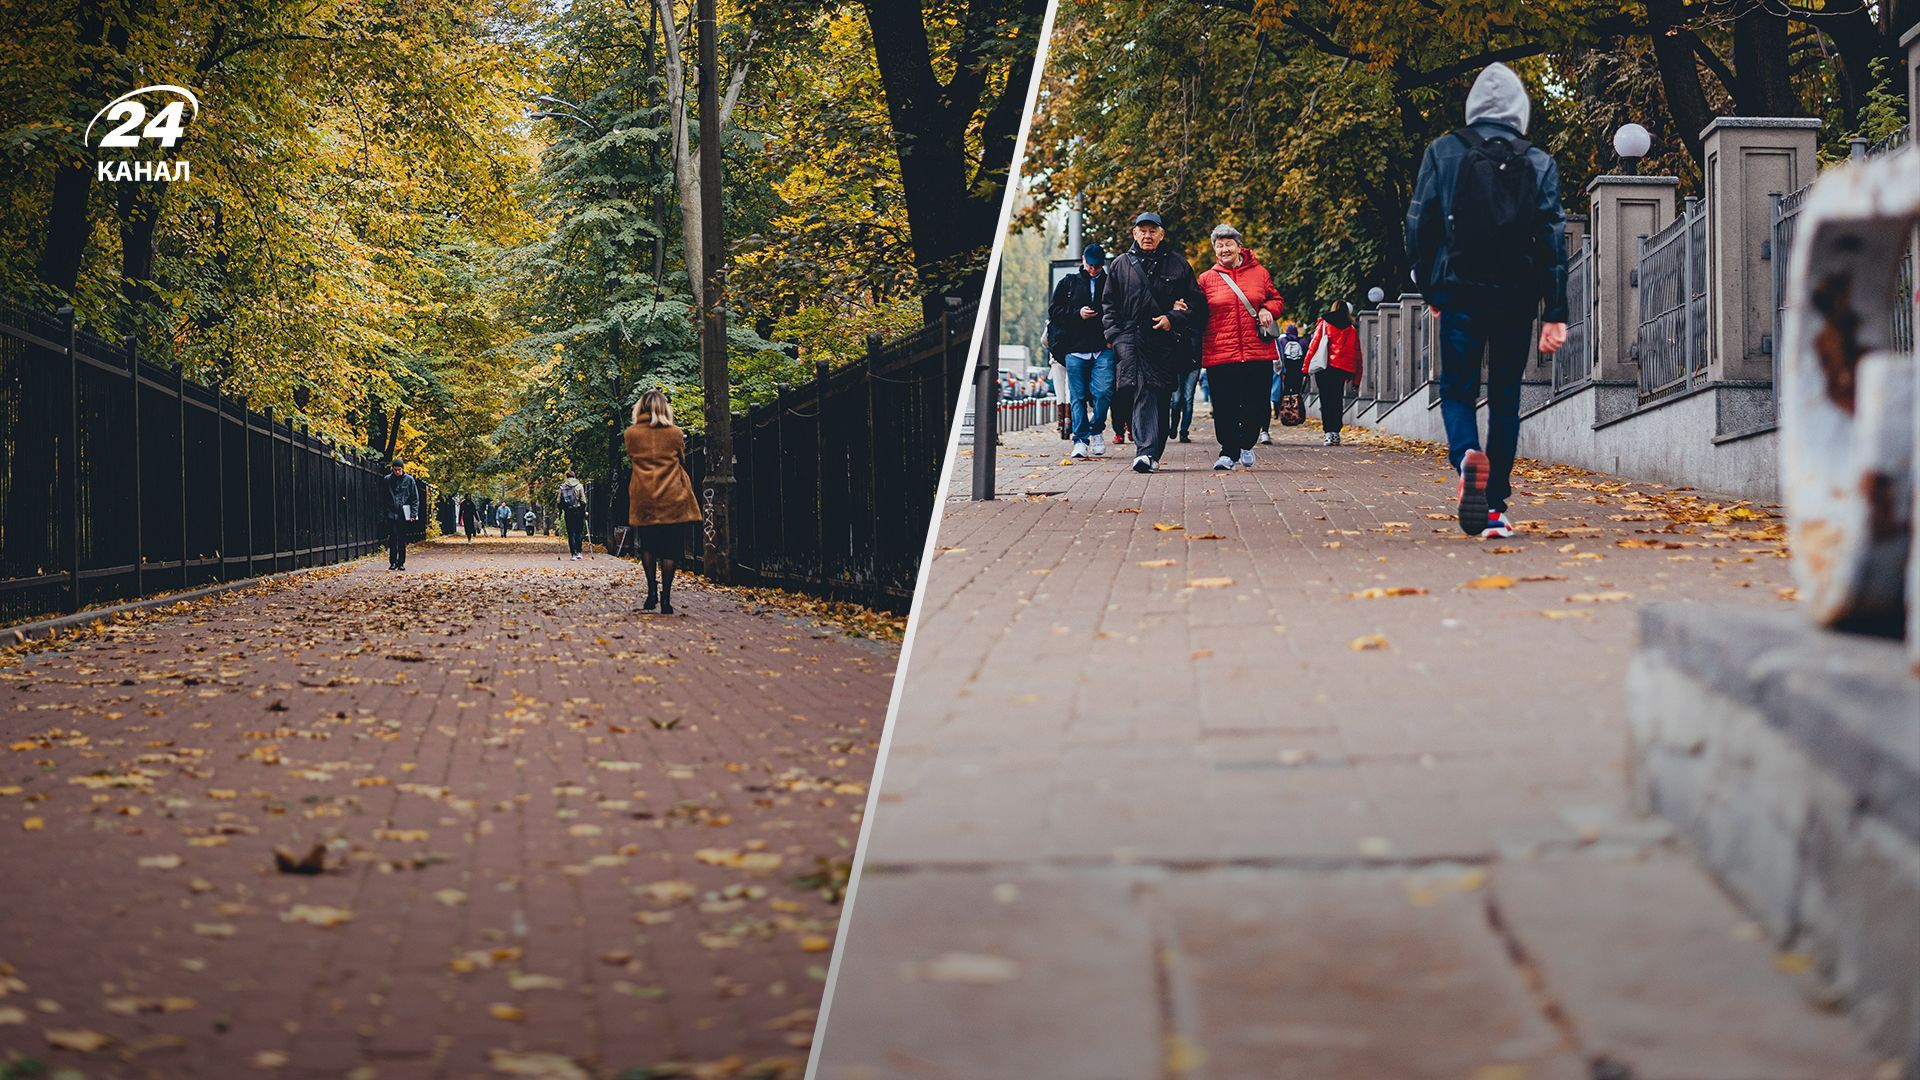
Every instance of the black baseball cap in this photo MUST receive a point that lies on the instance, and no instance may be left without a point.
(1094, 255)
(1148, 217)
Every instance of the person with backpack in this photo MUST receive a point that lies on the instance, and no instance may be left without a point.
(1486, 243)
(573, 507)
(1238, 354)
(1289, 378)
(1334, 362)
(1152, 301)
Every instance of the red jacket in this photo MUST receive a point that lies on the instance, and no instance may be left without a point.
(1232, 335)
(1343, 348)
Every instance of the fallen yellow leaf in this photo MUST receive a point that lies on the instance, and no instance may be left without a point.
(81, 1039)
(1380, 592)
(1155, 563)
(507, 1012)
(1166, 526)
(1491, 581)
(1366, 642)
(1209, 582)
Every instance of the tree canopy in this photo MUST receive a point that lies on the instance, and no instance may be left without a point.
(454, 231)
(1302, 121)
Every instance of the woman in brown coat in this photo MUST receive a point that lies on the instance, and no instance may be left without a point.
(660, 498)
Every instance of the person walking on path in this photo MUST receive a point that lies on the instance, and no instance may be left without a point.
(1289, 370)
(469, 517)
(403, 509)
(503, 517)
(660, 499)
(1334, 361)
(1152, 301)
(573, 507)
(1243, 310)
(527, 520)
(1486, 242)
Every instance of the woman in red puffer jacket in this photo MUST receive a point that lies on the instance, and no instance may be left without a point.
(1237, 353)
(1342, 367)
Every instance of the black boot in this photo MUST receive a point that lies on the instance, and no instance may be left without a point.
(666, 602)
(653, 598)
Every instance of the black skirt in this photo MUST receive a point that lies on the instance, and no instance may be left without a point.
(661, 541)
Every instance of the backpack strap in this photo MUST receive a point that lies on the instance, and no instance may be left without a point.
(1474, 140)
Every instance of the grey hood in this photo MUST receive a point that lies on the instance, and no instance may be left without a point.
(1499, 97)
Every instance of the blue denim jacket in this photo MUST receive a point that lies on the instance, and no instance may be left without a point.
(1432, 208)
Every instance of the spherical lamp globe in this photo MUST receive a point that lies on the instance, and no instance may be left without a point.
(1376, 294)
(1632, 142)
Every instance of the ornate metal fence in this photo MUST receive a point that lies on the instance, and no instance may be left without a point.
(1573, 364)
(120, 479)
(1672, 277)
(835, 481)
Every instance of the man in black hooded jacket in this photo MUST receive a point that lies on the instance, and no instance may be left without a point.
(1153, 301)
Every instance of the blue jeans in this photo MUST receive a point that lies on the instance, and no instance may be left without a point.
(1180, 406)
(1466, 333)
(1090, 385)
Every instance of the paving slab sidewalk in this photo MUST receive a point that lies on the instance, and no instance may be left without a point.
(561, 836)
(1273, 773)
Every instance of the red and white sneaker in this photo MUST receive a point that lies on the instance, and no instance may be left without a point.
(1498, 526)
(1473, 492)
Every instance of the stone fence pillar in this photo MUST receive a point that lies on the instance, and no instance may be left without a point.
(1392, 331)
(1368, 323)
(1406, 355)
(1747, 157)
(1624, 208)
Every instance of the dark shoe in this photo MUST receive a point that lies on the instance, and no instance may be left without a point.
(666, 607)
(1184, 437)
(653, 601)
(1473, 493)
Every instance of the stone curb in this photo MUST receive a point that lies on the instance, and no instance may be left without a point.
(46, 628)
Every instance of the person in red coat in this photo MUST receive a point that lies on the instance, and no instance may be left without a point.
(1340, 367)
(1238, 350)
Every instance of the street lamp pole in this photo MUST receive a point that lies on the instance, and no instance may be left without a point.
(717, 484)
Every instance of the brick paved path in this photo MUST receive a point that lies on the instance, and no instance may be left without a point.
(1151, 810)
(559, 827)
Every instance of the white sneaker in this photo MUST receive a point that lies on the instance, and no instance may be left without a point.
(1079, 449)
(1224, 464)
(1266, 437)
(1246, 459)
(1098, 446)
(1143, 463)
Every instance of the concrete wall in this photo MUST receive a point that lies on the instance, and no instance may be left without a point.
(1596, 427)
(1785, 755)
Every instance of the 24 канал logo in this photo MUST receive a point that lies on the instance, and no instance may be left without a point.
(154, 115)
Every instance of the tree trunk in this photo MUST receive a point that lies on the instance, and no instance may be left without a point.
(1679, 75)
(947, 219)
(1763, 74)
(67, 226)
(138, 208)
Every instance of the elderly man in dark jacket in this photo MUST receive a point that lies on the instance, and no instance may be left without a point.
(1486, 241)
(403, 509)
(1153, 301)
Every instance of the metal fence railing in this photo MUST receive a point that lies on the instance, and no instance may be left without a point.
(835, 481)
(1672, 343)
(120, 479)
(1573, 364)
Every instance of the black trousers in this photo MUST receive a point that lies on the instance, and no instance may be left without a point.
(1239, 403)
(1150, 420)
(1332, 383)
(576, 527)
(396, 541)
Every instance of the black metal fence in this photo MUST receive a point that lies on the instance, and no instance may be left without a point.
(835, 480)
(1672, 275)
(120, 479)
(1573, 364)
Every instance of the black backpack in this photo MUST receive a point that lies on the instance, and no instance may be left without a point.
(1490, 233)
